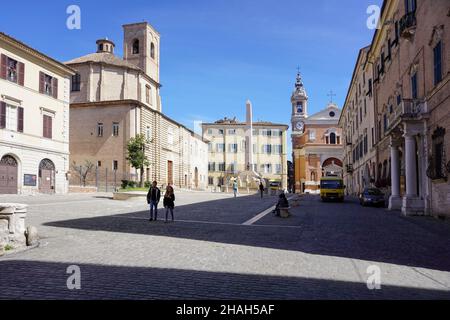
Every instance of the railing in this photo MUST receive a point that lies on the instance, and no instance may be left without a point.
(408, 109)
(407, 24)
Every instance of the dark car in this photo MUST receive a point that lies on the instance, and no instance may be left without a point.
(372, 196)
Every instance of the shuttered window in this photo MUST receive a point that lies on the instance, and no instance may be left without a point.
(2, 115)
(48, 85)
(12, 70)
(437, 52)
(20, 119)
(47, 126)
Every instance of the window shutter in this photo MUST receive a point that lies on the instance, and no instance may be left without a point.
(41, 82)
(21, 69)
(2, 115)
(44, 128)
(20, 119)
(3, 67)
(55, 88)
(50, 127)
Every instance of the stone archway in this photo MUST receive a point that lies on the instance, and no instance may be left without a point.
(332, 167)
(9, 171)
(46, 176)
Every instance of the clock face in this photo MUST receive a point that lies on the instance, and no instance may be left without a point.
(300, 125)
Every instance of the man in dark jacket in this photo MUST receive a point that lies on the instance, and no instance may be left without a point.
(153, 196)
(261, 189)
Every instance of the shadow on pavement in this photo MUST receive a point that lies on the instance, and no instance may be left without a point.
(330, 229)
(45, 280)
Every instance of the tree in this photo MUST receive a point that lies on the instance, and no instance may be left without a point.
(83, 171)
(136, 155)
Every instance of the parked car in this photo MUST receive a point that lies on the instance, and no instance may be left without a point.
(372, 196)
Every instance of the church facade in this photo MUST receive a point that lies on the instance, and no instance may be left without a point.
(114, 99)
(317, 143)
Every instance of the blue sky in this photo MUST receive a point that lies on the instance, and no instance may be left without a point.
(216, 54)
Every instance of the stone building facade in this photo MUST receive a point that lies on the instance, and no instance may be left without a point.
(358, 125)
(34, 120)
(316, 142)
(115, 99)
(228, 154)
(411, 95)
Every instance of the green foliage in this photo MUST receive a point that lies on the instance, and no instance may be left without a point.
(147, 184)
(124, 184)
(8, 247)
(136, 152)
(132, 184)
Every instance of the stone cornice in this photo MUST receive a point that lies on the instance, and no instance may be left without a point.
(24, 48)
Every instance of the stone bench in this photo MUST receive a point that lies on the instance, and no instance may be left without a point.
(284, 212)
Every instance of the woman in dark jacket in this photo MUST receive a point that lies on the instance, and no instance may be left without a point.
(169, 201)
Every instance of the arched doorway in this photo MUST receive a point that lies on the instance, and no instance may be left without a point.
(46, 176)
(8, 175)
(196, 177)
(332, 167)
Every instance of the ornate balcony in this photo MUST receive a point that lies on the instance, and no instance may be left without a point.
(407, 110)
(349, 168)
(407, 25)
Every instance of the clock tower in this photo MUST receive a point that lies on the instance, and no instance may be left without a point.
(299, 101)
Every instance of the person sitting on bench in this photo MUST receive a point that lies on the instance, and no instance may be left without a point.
(282, 203)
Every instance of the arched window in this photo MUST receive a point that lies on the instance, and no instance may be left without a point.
(152, 50)
(136, 46)
(332, 138)
(313, 176)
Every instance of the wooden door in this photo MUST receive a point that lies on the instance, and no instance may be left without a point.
(170, 172)
(46, 176)
(8, 175)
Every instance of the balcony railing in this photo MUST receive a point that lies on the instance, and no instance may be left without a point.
(407, 24)
(349, 168)
(408, 109)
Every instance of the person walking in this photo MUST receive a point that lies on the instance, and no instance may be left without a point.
(169, 202)
(261, 189)
(153, 197)
(235, 188)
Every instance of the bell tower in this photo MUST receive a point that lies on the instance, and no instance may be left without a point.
(299, 101)
(141, 47)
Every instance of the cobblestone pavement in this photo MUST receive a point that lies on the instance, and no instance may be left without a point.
(322, 252)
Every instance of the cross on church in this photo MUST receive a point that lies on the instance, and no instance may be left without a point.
(331, 95)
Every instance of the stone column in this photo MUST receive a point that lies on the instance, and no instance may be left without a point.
(412, 203)
(410, 166)
(395, 201)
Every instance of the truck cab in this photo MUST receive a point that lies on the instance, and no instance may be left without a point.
(332, 188)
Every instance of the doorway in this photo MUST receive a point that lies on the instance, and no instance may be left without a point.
(46, 177)
(8, 175)
(170, 172)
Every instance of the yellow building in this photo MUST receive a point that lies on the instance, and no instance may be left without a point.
(229, 156)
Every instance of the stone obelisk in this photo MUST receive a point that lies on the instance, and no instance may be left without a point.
(249, 138)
